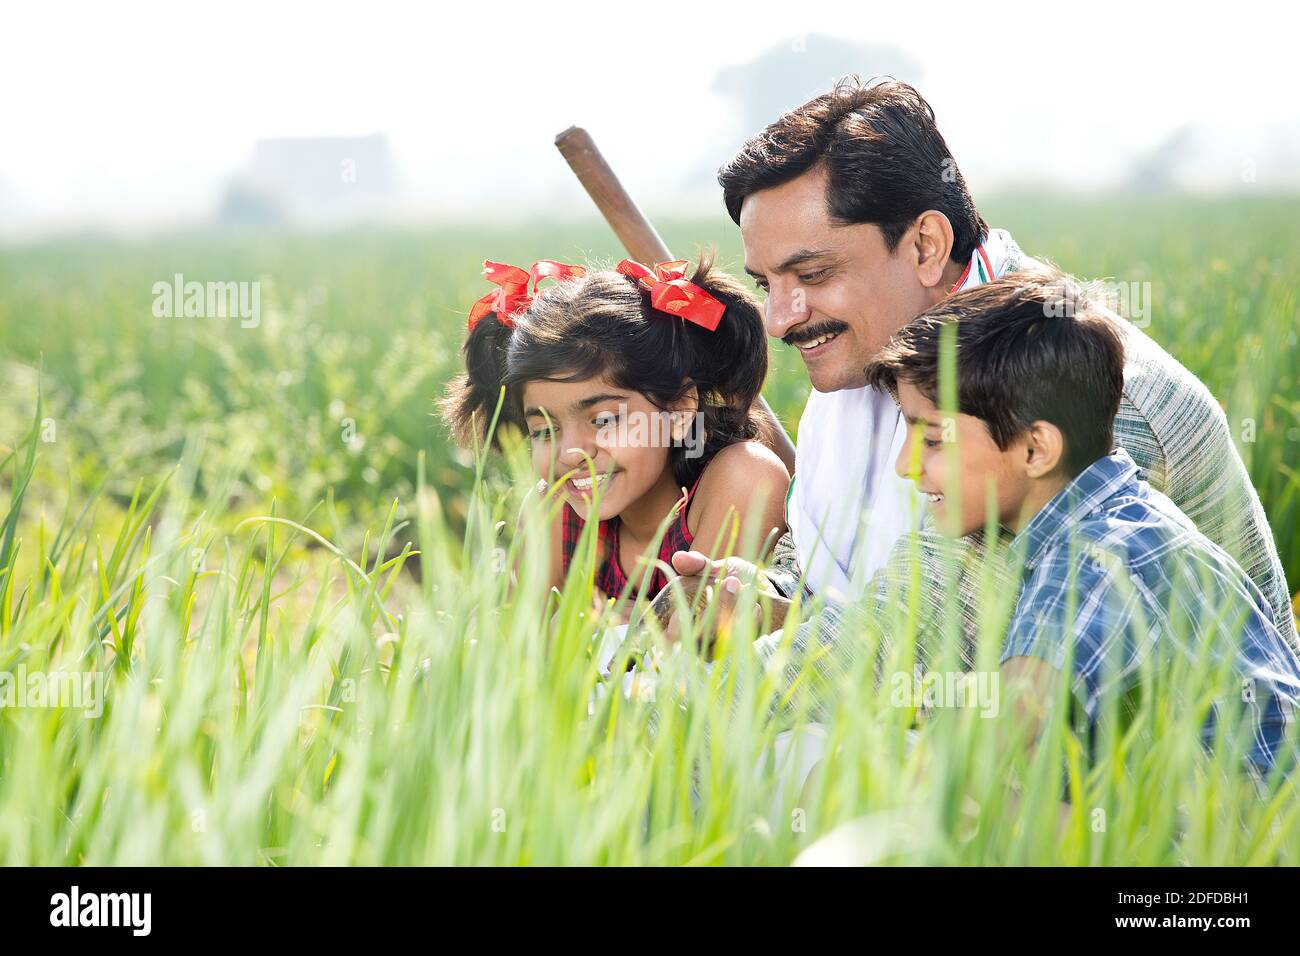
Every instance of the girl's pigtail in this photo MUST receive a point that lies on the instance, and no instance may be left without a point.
(471, 399)
(731, 361)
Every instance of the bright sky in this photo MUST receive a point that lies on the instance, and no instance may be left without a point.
(144, 106)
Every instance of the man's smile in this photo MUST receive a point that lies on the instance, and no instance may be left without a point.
(815, 341)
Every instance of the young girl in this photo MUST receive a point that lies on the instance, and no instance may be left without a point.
(636, 388)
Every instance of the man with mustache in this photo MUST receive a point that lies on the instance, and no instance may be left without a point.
(855, 219)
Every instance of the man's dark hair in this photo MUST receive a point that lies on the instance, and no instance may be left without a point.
(887, 162)
(1030, 347)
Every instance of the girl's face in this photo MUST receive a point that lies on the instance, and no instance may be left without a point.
(577, 426)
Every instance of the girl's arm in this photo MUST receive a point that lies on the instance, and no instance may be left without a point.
(744, 485)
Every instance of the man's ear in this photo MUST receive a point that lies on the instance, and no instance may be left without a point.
(1044, 449)
(932, 240)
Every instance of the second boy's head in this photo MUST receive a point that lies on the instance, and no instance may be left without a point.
(1039, 372)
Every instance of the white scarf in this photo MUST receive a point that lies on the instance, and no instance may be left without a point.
(846, 506)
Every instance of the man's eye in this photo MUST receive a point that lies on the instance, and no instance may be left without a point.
(812, 278)
(762, 285)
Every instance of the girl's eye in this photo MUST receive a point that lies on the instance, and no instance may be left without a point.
(541, 434)
(607, 420)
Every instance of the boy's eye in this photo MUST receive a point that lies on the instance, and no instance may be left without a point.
(605, 420)
(541, 433)
(931, 442)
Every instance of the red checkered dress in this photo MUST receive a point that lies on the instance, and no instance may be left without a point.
(610, 577)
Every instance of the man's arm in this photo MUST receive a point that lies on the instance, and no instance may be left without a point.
(783, 568)
(944, 591)
(1029, 684)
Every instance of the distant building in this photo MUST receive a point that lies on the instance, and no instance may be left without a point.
(320, 180)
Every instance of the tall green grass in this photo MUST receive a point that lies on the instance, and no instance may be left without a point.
(264, 709)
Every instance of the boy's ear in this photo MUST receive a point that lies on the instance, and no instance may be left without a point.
(1044, 449)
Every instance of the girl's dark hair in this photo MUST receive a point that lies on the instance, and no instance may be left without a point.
(604, 324)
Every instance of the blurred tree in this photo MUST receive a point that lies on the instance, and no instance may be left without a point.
(791, 73)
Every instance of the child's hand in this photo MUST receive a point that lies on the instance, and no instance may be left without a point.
(714, 584)
(733, 605)
(697, 572)
(694, 566)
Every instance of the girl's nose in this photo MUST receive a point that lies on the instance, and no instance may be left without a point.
(578, 456)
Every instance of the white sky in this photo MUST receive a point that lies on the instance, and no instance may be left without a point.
(141, 107)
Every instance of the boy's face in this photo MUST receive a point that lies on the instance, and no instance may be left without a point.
(983, 469)
(576, 426)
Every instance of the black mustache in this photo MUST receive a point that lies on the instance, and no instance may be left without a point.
(806, 333)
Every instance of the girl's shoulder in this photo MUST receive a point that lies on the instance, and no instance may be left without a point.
(738, 471)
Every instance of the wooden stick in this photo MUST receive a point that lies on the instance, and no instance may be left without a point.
(641, 240)
(631, 226)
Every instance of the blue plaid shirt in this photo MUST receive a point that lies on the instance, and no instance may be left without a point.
(1113, 568)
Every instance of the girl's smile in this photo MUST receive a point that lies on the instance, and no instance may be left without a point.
(583, 487)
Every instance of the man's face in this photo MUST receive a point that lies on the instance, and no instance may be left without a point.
(984, 471)
(833, 291)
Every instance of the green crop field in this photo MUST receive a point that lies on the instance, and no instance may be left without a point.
(289, 586)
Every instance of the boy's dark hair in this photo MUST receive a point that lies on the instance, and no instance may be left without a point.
(1030, 347)
(604, 324)
(886, 161)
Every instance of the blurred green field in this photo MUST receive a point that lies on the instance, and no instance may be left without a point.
(220, 631)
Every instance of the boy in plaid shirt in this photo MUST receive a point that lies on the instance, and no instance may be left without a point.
(1113, 571)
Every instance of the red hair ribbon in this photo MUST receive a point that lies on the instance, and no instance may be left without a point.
(671, 292)
(513, 297)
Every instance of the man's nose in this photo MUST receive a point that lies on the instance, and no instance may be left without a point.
(786, 307)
